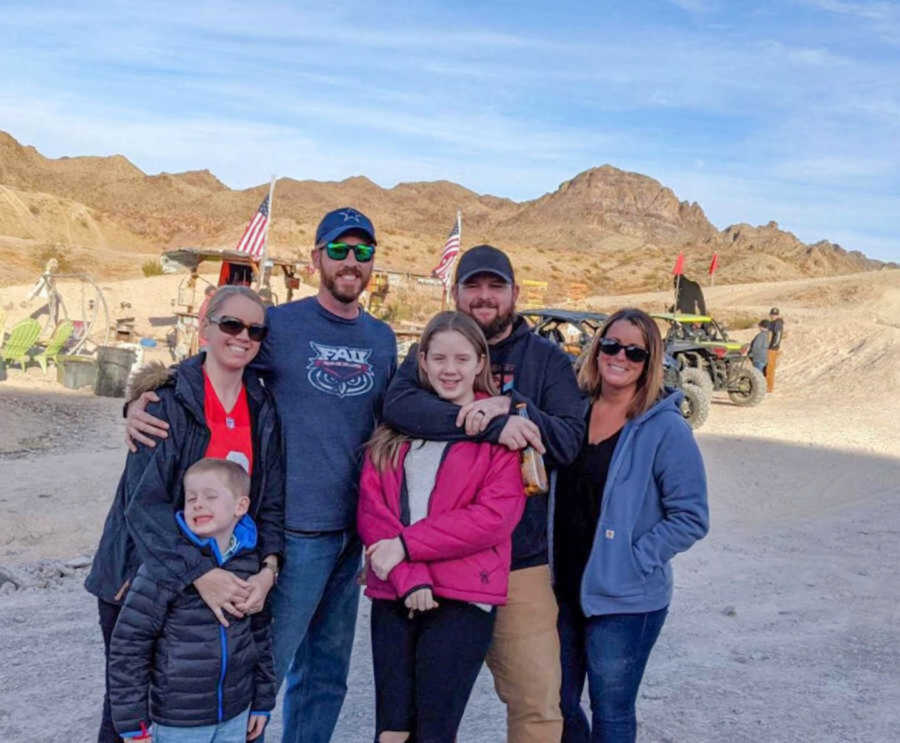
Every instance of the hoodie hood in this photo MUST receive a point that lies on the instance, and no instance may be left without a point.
(670, 400)
(519, 328)
(244, 533)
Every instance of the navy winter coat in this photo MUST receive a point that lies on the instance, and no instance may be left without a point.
(140, 527)
(170, 661)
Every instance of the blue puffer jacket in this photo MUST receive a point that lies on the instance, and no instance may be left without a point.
(654, 506)
(140, 526)
(170, 661)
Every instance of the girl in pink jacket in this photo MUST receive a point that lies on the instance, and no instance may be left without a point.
(436, 518)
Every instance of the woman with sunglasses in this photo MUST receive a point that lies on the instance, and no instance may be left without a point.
(634, 498)
(214, 407)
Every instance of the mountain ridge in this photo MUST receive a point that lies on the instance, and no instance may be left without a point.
(605, 226)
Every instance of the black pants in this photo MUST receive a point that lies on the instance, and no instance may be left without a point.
(425, 667)
(109, 613)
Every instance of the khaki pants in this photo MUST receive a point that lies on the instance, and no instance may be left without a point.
(770, 369)
(524, 658)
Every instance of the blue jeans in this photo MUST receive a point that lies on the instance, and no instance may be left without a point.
(612, 652)
(761, 365)
(314, 605)
(230, 731)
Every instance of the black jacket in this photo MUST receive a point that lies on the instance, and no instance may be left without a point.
(776, 328)
(140, 527)
(170, 661)
(529, 369)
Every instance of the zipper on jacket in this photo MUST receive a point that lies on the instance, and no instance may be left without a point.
(220, 689)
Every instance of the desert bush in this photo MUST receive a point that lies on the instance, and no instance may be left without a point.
(34, 209)
(151, 267)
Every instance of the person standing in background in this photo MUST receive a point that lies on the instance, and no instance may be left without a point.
(776, 328)
(759, 346)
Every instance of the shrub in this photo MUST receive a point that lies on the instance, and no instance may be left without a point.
(151, 267)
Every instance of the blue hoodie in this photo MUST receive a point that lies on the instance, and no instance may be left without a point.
(654, 506)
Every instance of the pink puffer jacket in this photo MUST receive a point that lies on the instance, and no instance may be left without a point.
(461, 549)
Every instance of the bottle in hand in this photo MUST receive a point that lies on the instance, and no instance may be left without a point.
(534, 474)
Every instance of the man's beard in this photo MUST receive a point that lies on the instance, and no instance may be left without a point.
(498, 325)
(330, 282)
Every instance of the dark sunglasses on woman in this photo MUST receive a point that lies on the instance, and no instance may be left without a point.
(339, 251)
(233, 326)
(633, 353)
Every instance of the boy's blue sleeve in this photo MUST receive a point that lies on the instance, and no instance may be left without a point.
(140, 622)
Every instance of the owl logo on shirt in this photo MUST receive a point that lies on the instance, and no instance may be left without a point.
(340, 370)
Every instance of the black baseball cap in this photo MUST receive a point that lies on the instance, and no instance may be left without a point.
(774, 311)
(484, 259)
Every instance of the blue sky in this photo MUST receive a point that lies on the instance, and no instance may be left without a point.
(786, 110)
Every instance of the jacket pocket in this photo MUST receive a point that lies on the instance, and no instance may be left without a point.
(612, 569)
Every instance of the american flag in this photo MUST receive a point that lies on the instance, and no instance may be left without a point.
(448, 256)
(254, 237)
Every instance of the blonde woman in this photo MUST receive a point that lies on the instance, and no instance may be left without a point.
(634, 498)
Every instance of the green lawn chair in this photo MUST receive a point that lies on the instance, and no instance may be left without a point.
(21, 338)
(54, 345)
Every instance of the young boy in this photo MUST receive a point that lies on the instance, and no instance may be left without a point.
(759, 346)
(170, 660)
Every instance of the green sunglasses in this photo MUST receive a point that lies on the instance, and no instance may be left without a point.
(339, 251)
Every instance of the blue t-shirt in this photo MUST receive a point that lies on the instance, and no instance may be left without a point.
(328, 376)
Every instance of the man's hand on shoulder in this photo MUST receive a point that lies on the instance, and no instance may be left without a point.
(139, 422)
(476, 416)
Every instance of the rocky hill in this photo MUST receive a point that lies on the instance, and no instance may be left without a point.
(605, 227)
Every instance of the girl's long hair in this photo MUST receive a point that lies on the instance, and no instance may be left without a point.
(384, 446)
(650, 383)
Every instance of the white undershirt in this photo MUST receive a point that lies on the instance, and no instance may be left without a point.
(420, 468)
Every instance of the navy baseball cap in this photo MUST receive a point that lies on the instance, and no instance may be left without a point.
(484, 259)
(336, 223)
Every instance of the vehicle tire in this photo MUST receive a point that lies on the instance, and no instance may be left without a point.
(746, 386)
(694, 405)
(699, 377)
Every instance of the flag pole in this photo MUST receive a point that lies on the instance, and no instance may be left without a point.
(265, 250)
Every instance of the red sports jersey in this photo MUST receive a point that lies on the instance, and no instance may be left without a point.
(231, 437)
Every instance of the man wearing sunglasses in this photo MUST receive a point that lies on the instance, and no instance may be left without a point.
(327, 363)
(525, 655)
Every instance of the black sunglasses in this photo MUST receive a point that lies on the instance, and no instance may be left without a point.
(233, 326)
(633, 353)
(339, 251)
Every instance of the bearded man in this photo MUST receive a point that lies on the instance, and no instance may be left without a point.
(524, 656)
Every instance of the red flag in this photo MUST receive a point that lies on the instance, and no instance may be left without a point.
(679, 265)
(714, 264)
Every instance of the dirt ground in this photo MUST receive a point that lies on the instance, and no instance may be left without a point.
(784, 625)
